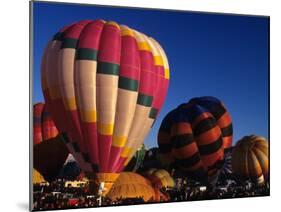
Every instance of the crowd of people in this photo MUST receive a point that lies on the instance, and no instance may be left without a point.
(56, 195)
(49, 201)
(191, 193)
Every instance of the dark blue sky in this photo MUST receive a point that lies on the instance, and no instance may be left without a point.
(225, 56)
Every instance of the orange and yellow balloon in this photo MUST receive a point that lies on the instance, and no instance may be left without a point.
(250, 159)
(131, 185)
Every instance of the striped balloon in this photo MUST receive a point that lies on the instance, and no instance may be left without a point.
(250, 159)
(194, 136)
(43, 125)
(105, 84)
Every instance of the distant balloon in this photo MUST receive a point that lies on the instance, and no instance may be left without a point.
(105, 85)
(194, 136)
(49, 151)
(43, 125)
(250, 159)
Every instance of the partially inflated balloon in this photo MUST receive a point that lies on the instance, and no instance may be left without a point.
(105, 84)
(37, 178)
(43, 125)
(194, 135)
(49, 151)
(160, 178)
(250, 158)
(131, 185)
(49, 157)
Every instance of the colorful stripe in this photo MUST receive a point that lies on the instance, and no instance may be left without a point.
(108, 68)
(86, 54)
(144, 100)
(128, 84)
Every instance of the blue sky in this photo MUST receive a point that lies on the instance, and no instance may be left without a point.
(225, 56)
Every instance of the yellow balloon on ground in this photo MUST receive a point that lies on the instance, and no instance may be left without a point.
(37, 178)
(131, 185)
(250, 159)
(160, 178)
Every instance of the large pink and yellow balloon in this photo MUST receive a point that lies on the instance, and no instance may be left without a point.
(104, 84)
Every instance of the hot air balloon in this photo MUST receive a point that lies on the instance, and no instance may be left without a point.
(194, 135)
(250, 159)
(43, 125)
(160, 178)
(49, 151)
(131, 185)
(105, 84)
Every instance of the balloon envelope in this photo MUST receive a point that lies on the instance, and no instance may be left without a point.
(37, 178)
(160, 178)
(49, 157)
(43, 124)
(193, 137)
(250, 158)
(49, 151)
(105, 84)
(131, 185)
